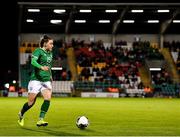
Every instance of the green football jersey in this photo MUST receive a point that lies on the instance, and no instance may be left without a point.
(43, 58)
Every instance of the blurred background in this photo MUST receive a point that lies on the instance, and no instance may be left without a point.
(123, 47)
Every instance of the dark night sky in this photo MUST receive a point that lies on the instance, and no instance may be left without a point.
(9, 54)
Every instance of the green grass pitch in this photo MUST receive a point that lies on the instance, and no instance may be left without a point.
(107, 116)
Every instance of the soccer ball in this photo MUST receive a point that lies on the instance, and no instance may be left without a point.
(82, 122)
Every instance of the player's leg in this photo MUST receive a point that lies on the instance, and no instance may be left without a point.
(26, 107)
(33, 90)
(44, 107)
(29, 104)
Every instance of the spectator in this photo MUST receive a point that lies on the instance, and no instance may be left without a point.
(148, 91)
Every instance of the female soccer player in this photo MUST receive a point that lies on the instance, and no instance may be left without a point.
(41, 79)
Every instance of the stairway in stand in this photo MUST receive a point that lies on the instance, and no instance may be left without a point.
(71, 59)
(145, 76)
(171, 65)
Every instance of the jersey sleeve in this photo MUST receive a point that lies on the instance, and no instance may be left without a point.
(35, 56)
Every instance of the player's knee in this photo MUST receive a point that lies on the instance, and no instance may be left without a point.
(47, 95)
(47, 98)
(31, 102)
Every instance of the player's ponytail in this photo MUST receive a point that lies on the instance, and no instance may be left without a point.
(44, 39)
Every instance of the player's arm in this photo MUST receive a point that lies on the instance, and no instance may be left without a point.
(37, 65)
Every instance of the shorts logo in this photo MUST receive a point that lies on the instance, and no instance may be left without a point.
(30, 88)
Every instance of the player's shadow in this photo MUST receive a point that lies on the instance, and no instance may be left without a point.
(50, 132)
(86, 130)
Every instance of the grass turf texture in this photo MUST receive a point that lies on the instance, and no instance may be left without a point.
(107, 116)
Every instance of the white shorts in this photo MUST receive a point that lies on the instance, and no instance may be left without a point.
(35, 86)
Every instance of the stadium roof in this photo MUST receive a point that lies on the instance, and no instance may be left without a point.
(120, 21)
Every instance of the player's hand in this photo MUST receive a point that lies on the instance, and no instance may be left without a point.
(45, 68)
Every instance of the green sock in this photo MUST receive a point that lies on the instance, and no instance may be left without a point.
(25, 108)
(44, 108)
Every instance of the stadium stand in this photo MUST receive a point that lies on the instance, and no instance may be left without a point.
(104, 68)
